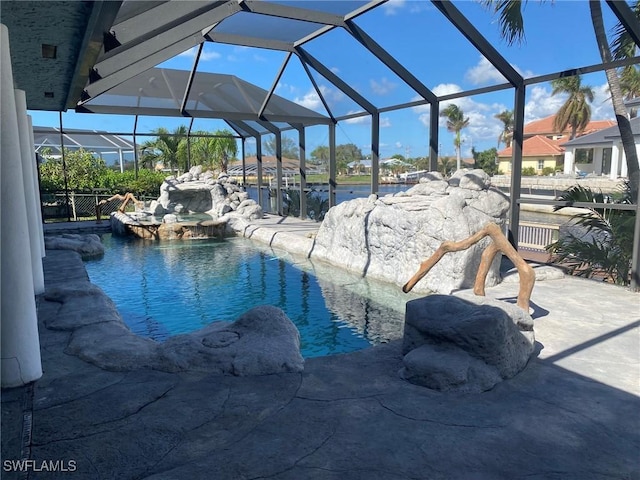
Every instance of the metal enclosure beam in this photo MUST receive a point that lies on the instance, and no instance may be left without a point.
(152, 18)
(635, 254)
(154, 47)
(332, 165)
(302, 148)
(246, 41)
(375, 152)
(274, 84)
(290, 12)
(465, 27)
(394, 65)
(192, 75)
(434, 124)
(259, 168)
(516, 170)
(278, 134)
(105, 84)
(100, 21)
(317, 89)
(627, 18)
(305, 57)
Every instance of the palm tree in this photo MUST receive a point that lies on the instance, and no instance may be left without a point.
(148, 155)
(575, 112)
(171, 145)
(506, 136)
(224, 147)
(617, 98)
(446, 165)
(622, 47)
(512, 30)
(630, 85)
(456, 121)
(600, 243)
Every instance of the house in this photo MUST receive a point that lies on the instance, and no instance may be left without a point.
(386, 166)
(542, 147)
(600, 152)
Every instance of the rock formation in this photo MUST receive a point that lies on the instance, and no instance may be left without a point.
(196, 192)
(385, 238)
(464, 344)
(87, 245)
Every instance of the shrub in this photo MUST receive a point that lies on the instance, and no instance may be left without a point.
(548, 171)
(529, 172)
(604, 249)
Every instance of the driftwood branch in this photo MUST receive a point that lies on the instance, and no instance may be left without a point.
(126, 198)
(499, 244)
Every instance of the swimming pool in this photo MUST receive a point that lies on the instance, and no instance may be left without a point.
(167, 288)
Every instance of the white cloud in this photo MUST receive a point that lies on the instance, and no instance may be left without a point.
(382, 87)
(483, 126)
(310, 100)
(385, 122)
(483, 73)
(541, 104)
(393, 6)
(204, 56)
(446, 89)
(362, 120)
(601, 107)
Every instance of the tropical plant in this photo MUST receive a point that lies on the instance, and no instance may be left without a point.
(506, 136)
(528, 172)
(603, 246)
(213, 150)
(446, 166)
(171, 146)
(486, 160)
(456, 121)
(148, 156)
(512, 30)
(317, 206)
(623, 46)
(630, 85)
(82, 170)
(575, 112)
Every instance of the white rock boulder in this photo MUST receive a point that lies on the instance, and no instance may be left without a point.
(464, 344)
(387, 238)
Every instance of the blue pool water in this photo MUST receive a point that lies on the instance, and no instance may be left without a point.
(167, 288)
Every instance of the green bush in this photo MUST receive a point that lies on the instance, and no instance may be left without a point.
(604, 249)
(529, 172)
(548, 171)
(85, 172)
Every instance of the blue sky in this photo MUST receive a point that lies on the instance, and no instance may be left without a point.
(559, 36)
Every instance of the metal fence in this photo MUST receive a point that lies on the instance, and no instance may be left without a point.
(536, 236)
(77, 206)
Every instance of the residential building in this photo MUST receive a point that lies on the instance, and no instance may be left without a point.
(600, 152)
(542, 147)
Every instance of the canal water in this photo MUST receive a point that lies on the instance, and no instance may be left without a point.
(349, 192)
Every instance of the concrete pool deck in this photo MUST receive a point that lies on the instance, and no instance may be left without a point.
(571, 414)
